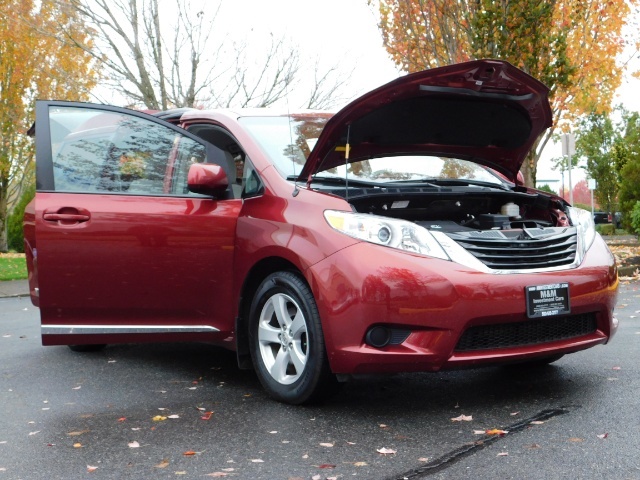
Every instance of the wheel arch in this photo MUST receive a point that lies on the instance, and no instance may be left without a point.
(254, 278)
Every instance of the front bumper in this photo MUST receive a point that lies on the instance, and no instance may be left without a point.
(366, 285)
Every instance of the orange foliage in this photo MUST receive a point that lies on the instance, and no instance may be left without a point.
(39, 58)
(571, 45)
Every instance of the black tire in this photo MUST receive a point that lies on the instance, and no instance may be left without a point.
(88, 348)
(287, 349)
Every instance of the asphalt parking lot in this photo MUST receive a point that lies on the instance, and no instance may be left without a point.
(186, 411)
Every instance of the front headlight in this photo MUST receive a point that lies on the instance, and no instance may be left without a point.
(385, 231)
(583, 221)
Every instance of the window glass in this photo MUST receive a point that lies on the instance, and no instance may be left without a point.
(287, 140)
(99, 151)
(251, 183)
(412, 168)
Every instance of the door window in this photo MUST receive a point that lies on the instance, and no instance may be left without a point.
(96, 151)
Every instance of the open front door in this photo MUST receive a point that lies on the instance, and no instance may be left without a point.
(125, 252)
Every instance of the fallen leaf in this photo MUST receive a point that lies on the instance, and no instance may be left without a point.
(576, 440)
(122, 419)
(462, 418)
(34, 433)
(503, 454)
(162, 408)
(189, 453)
(360, 464)
(326, 465)
(273, 431)
(159, 418)
(163, 464)
(533, 445)
(423, 459)
(536, 422)
(112, 361)
(192, 388)
(350, 443)
(206, 416)
(77, 445)
(173, 416)
(616, 368)
(135, 429)
(216, 474)
(604, 435)
(496, 431)
(257, 460)
(305, 456)
(134, 444)
(382, 425)
(77, 388)
(91, 468)
(326, 444)
(229, 469)
(385, 451)
(514, 414)
(79, 432)
(182, 472)
(479, 432)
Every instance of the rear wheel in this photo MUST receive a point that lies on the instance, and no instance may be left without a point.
(286, 341)
(88, 348)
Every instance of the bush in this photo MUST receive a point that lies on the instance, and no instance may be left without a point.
(15, 234)
(635, 218)
(606, 229)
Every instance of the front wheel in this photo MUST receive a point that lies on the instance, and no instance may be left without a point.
(286, 341)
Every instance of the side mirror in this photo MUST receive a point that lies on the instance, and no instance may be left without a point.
(207, 179)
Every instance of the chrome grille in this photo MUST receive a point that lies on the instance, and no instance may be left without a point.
(520, 249)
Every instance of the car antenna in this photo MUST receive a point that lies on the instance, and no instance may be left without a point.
(347, 147)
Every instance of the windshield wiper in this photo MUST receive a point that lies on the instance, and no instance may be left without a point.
(340, 181)
(453, 182)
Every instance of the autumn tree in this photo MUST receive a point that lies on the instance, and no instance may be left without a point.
(596, 138)
(627, 161)
(168, 54)
(33, 64)
(570, 45)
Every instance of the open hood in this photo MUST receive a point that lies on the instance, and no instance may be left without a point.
(485, 111)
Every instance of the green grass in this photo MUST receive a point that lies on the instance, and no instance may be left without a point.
(12, 267)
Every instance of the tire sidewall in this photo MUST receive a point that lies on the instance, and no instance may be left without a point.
(316, 367)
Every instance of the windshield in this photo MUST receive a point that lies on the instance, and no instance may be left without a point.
(413, 168)
(287, 140)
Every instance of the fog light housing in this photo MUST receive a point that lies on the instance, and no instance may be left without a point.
(378, 337)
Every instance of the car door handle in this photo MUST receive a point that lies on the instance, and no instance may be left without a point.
(67, 215)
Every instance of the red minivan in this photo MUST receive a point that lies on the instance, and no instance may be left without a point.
(392, 236)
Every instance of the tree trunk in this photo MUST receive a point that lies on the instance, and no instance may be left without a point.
(529, 169)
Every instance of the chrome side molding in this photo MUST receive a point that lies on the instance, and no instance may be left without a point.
(123, 329)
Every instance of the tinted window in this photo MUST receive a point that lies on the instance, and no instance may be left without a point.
(99, 151)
